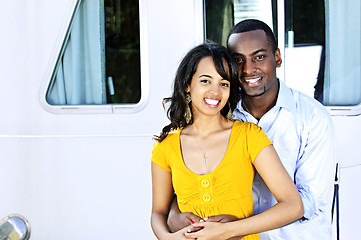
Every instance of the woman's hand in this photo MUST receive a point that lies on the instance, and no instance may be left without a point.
(210, 231)
(180, 235)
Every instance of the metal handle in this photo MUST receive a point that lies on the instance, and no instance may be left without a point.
(14, 227)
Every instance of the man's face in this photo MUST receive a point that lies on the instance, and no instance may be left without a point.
(256, 62)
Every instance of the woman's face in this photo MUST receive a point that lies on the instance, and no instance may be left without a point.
(208, 90)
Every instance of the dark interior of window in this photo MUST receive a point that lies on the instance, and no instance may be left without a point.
(306, 18)
(122, 50)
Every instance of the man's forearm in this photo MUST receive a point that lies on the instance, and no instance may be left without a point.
(174, 212)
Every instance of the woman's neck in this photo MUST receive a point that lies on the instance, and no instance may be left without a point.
(205, 126)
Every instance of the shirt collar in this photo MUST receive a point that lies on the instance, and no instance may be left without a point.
(285, 98)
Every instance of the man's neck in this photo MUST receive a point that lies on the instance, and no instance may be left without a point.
(259, 106)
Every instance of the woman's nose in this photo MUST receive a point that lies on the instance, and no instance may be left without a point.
(215, 89)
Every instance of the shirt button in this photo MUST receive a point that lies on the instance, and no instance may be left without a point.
(205, 183)
(206, 197)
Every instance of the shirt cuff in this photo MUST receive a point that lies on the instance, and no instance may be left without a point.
(309, 205)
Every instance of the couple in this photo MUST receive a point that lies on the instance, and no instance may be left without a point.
(215, 195)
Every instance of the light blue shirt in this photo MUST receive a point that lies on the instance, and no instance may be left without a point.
(302, 133)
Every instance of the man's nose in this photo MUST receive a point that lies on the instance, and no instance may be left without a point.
(248, 67)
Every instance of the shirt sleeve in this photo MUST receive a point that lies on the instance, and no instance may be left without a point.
(315, 168)
(159, 156)
(257, 140)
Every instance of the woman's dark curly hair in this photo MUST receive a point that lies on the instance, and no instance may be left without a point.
(183, 78)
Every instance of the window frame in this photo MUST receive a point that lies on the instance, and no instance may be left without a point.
(333, 110)
(102, 108)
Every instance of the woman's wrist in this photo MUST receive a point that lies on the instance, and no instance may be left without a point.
(167, 236)
(232, 229)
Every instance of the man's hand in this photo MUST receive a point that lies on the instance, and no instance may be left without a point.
(221, 218)
(177, 220)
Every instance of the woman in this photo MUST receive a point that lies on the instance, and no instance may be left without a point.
(209, 160)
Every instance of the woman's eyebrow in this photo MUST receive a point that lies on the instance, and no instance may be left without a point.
(205, 75)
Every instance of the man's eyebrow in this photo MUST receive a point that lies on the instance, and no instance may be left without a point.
(258, 51)
(235, 54)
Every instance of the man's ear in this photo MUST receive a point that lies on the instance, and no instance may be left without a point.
(278, 58)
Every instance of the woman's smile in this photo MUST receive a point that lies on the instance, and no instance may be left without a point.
(211, 102)
(209, 91)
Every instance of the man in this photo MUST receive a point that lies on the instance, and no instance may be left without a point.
(300, 128)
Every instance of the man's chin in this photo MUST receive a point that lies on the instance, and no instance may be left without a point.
(253, 94)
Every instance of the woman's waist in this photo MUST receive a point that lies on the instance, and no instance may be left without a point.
(206, 206)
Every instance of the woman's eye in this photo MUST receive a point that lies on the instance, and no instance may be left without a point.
(225, 84)
(204, 81)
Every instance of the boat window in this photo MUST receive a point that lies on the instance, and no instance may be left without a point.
(99, 62)
(343, 53)
(320, 45)
(320, 50)
(222, 15)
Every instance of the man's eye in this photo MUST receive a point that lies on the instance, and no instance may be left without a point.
(238, 60)
(260, 57)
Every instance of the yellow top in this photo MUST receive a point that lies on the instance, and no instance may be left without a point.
(226, 190)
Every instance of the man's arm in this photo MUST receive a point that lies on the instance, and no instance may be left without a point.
(315, 168)
(221, 218)
(177, 220)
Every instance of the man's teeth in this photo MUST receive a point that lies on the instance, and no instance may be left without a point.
(211, 101)
(253, 80)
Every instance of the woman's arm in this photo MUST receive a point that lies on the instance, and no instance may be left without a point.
(288, 209)
(162, 197)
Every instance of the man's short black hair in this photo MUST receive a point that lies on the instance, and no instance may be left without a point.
(252, 25)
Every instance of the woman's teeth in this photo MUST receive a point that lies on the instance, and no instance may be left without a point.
(211, 101)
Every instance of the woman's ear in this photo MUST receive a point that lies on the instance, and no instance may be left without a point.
(188, 89)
